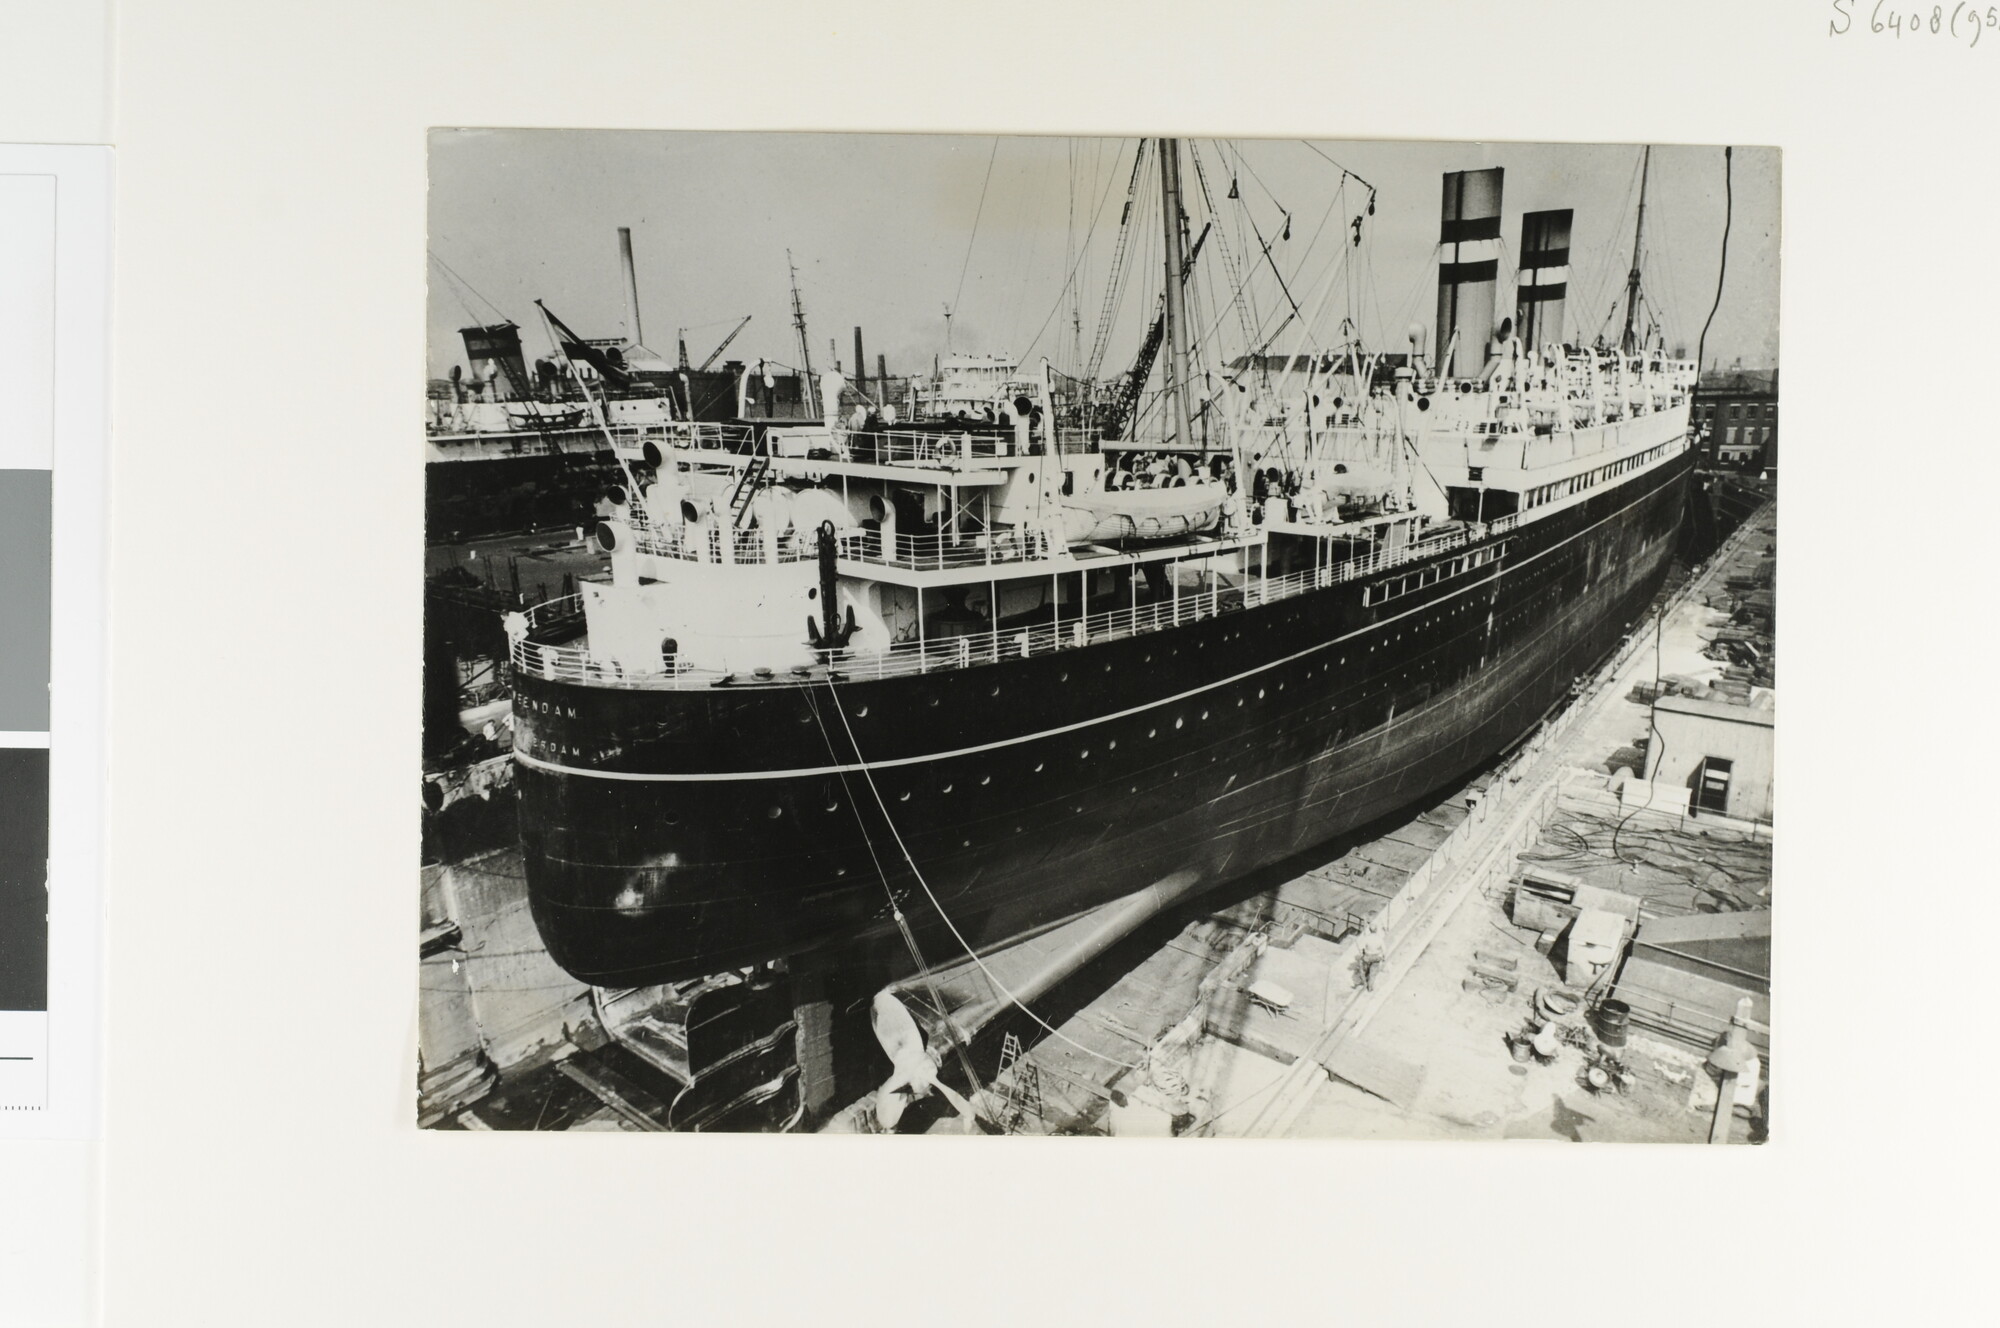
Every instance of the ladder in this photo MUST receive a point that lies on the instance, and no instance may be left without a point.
(747, 486)
(1023, 1095)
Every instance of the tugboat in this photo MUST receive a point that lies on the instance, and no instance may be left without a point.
(975, 676)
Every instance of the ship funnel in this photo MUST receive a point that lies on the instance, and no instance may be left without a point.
(495, 352)
(631, 286)
(1544, 285)
(1468, 268)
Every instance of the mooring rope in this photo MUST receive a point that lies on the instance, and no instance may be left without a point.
(966, 945)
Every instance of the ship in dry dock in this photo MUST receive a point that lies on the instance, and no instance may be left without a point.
(973, 667)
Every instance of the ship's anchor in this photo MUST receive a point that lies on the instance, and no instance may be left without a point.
(838, 630)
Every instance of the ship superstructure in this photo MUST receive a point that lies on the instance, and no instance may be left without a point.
(981, 669)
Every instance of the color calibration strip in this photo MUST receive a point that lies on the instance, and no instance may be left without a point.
(54, 272)
(27, 334)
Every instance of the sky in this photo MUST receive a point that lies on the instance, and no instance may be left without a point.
(1016, 236)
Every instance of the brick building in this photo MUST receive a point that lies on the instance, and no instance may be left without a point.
(1736, 413)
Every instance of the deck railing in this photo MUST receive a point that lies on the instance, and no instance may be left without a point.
(567, 663)
(930, 553)
(715, 542)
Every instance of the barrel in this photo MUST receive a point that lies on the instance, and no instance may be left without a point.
(1612, 1018)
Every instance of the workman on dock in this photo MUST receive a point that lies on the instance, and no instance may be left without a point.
(1373, 955)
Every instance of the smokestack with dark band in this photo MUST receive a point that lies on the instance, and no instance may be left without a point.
(1468, 269)
(1539, 298)
(495, 352)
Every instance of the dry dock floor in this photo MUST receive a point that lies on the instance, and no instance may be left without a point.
(1430, 1046)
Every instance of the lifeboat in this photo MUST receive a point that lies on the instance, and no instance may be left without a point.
(1144, 514)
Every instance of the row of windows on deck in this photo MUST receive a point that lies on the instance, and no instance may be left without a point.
(1548, 493)
(1429, 576)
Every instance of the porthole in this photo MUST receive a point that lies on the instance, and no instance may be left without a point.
(905, 797)
(1152, 733)
(945, 789)
(833, 804)
(985, 780)
(1204, 714)
(1260, 693)
(1038, 767)
(996, 690)
(1178, 723)
(1111, 746)
(934, 701)
(861, 713)
(1084, 755)
(775, 812)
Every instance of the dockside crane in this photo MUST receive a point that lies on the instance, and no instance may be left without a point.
(716, 354)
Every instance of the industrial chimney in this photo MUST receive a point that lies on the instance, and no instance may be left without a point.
(1468, 269)
(1539, 298)
(637, 334)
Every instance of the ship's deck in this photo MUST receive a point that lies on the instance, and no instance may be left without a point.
(555, 648)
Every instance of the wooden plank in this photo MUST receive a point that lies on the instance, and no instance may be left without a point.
(618, 1093)
(1373, 1070)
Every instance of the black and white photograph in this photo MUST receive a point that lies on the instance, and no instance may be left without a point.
(1132, 637)
(1179, 600)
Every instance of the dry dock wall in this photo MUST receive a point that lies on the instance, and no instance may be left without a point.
(496, 999)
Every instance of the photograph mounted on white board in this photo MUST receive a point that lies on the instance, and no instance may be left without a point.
(1144, 637)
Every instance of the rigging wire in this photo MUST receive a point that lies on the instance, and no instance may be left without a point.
(1236, 280)
(468, 288)
(1114, 288)
(1344, 170)
(895, 908)
(1722, 268)
(977, 213)
(868, 774)
(1659, 622)
(1601, 264)
(1070, 282)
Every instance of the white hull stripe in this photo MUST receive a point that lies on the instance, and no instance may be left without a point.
(650, 777)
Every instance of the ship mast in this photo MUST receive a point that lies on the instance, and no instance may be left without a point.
(799, 322)
(1177, 359)
(1628, 343)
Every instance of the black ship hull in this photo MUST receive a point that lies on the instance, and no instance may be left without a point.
(670, 834)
